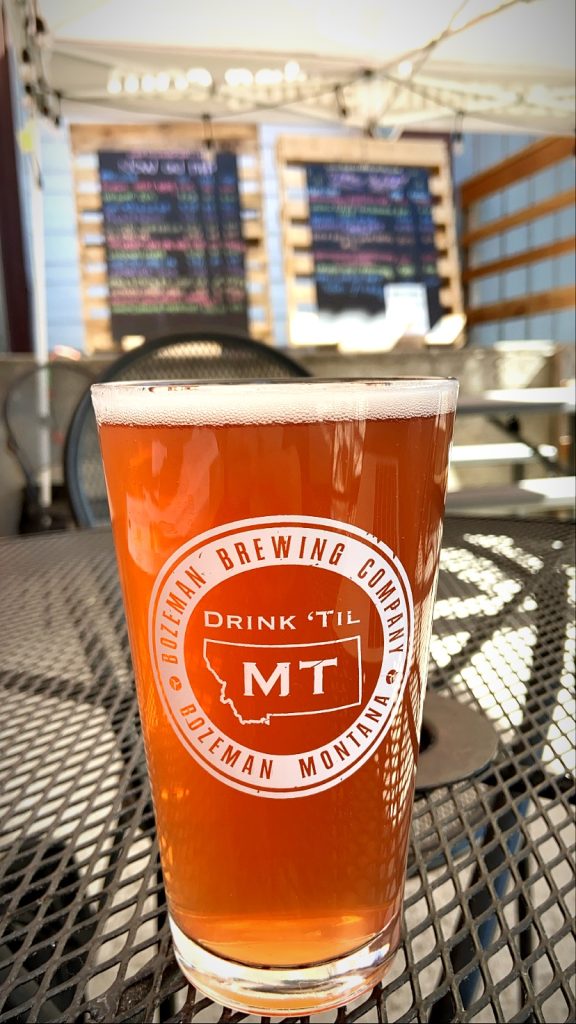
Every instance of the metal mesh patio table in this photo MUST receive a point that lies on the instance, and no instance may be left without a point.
(489, 909)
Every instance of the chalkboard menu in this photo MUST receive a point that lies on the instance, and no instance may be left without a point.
(371, 227)
(173, 239)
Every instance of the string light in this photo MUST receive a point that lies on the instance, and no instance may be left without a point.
(199, 76)
(33, 64)
(208, 133)
(405, 69)
(131, 84)
(162, 81)
(457, 136)
(268, 76)
(58, 115)
(147, 84)
(277, 87)
(180, 81)
(238, 77)
(115, 85)
(365, 97)
(26, 67)
(341, 102)
(292, 71)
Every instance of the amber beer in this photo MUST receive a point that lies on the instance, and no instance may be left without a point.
(278, 551)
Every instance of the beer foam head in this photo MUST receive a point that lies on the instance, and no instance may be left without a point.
(285, 401)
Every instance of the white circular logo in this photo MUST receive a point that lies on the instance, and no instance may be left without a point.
(280, 648)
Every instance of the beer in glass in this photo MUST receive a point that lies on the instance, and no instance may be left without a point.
(278, 549)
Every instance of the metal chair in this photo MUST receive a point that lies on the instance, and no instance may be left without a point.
(37, 410)
(190, 356)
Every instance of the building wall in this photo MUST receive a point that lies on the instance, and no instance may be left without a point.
(19, 118)
(480, 151)
(63, 300)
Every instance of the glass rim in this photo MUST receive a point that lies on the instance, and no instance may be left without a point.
(184, 384)
(302, 399)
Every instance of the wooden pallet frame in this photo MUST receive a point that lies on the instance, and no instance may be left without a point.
(88, 139)
(524, 164)
(295, 151)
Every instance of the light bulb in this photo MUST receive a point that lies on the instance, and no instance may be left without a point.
(291, 71)
(180, 81)
(268, 76)
(162, 81)
(131, 84)
(148, 83)
(238, 77)
(199, 76)
(405, 69)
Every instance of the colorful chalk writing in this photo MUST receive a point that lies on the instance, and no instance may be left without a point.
(371, 225)
(173, 239)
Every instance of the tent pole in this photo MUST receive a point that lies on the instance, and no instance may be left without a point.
(40, 323)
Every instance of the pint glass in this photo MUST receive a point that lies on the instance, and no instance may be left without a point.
(278, 549)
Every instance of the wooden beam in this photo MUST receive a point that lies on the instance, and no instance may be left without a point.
(260, 329)
(252, 229)
(303, 149)
(300, 264)
(251, 201)
(299, 236)
(88, 202)
(524, 305)
(98, 335)
(88, 179)
(525, 216)
(524, 164)
(293, 179)
(303, 293)
(89, 138)
(442, 213)
(297, 209)
(91, 202)
(95, 276)
(543, 252)
(90, 254)
(256, 256)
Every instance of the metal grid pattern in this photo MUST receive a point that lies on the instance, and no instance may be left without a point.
(490, 894)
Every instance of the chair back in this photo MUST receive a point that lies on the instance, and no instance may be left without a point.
(37, 410)
(190, 356)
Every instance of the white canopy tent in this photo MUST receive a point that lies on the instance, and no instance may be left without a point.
(377, 66)
(492, 65)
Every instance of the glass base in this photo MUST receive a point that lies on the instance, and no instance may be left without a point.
(287, 990)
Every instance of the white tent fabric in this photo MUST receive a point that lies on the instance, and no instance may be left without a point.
(378, 64)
